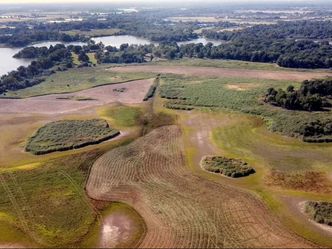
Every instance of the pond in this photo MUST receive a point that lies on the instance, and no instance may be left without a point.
(8, 63)
(117, 40)
(201, 40)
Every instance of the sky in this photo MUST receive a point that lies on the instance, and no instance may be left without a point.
(146, 1)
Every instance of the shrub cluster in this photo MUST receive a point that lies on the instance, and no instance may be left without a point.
(69, 134)
(321, 212)
(313, 95)
(151, 90)
(227, 166)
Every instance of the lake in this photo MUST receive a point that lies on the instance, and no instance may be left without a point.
(201, 40)
(8, 63)
(117, 40)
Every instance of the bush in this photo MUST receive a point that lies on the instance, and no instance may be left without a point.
(227, 166)
(69, 134)
(320, 212)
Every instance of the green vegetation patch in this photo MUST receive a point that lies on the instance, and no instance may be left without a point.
(151, 90)
(69, 134)
(227, 166)
(77, 79)
(48, 204)
(123, 116)
(187, 93)
(320, 212)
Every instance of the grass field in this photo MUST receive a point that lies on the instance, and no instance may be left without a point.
(77, 79)
(69, 134)
(121, 115)
(238, 94)
(37, 197)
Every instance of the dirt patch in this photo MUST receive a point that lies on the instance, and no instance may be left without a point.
(309, 181)
(242, 86)
(223, 72)
(64, 103)
(182, 209)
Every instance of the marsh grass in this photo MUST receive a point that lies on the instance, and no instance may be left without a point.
(69, 134)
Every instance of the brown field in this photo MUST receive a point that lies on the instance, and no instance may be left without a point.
(182, 209)
(65, 103)
(224, 72)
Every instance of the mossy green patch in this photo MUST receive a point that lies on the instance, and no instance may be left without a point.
(69, 134)
(121, 115)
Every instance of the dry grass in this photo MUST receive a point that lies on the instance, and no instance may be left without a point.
(181, 209)
(223, 72)
(64, 103)
(309, 181)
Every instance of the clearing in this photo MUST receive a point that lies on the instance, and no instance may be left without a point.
(222, 72)
(64, 103)
(191, 211)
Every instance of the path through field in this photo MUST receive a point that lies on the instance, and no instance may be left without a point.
(64, 103)
(182, 209)
(223, 72)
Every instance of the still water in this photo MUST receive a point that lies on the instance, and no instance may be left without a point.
(117, 40)
(8, 63)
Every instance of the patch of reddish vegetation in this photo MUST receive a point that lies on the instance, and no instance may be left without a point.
(309, 181)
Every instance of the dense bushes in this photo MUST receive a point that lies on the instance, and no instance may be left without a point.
(312, 96)
(151, 90)
(226, 166)
(317, 131)
(321, 212)
(294, 100)
(69, 134)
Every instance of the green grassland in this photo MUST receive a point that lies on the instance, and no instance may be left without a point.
(77, 79)
(237, 94)
(75, 59)
(92, 58)
(121, 115)
(69, 134)
(48, 203)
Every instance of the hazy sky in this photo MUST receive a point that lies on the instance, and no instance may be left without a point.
(152, 1)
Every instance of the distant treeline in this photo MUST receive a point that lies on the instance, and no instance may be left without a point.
(302, 44)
